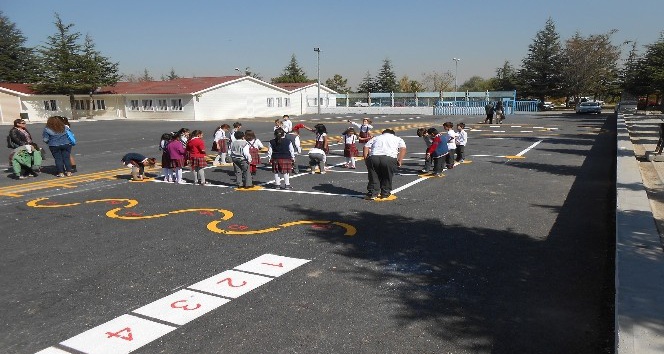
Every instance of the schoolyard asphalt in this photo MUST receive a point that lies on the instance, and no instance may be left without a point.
(512, 251)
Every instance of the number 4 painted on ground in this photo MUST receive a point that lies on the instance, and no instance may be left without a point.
(128, 337)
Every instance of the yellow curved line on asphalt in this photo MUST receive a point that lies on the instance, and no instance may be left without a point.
(113, 213)
(350, 229)
(34, 204)
(130, 202)
(213, 226)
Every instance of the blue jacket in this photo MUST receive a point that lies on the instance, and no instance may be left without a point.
(54, 139)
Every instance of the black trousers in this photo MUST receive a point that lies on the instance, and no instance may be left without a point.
(381, 170)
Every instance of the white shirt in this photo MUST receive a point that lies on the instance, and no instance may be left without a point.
(385, 144)
(462, 137)
(451, 138)
(219, 135)
(287, 125)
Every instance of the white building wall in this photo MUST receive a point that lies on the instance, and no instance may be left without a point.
(187, 112)
(34, 107)
(308, 97)
(10, 108)
(244, 99)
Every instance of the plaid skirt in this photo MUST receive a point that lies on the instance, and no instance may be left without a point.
(222, 146)
(178, 163)
(197, 162)
(282, 165)
(165, 160)
(350, 150)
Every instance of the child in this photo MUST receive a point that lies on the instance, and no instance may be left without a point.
(365, 129)
(241, 160)
(451, 144)
(197, 155)
(255, 146)
(176, 154)
(286, 124)
(277, 125)
(461, 141)
(281, 154)
(236, 127)
(137, 163)
(294, 138)
(166, 138)
(350, 150)
(221, 142)
(317, 157)
(437, 150)
(424, 134)
(26, 161)
(321, 137)
(183, 136)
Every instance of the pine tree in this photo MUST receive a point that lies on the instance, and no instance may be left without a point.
(505, 79)
(653, 63)
(67, 67)
(17, 63)
(387, 79)
(541, 72)
(292, 73)
(368, 84)
(338, 84)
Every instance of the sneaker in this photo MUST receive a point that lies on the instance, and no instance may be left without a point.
(424, 170)
(370, 196)
(439, 175)
(352, 167)
(384, 196)
(21, 177)
(288, 186)
(60, 175)
(322, 172)
(313, 172)
(68, 174)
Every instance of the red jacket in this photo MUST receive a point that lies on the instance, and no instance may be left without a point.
(196, 147)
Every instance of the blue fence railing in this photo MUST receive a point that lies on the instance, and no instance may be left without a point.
(477, 107)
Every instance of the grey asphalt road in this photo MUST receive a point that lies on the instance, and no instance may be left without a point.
(511, 252)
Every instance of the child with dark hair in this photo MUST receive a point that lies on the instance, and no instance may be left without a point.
(166, 139)
(461, 141)
(349, 138)
(176, 153)
(221, 143)
(365, 129)
(196, 154)
(241, 160)
(281, 155)
(437, 150)
(137, 163)
(451, 144)
(424, 134)
(321, 137)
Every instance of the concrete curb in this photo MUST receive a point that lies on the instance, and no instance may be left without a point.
(639, 299)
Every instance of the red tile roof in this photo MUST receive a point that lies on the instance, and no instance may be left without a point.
(177, 86)
(20, 88)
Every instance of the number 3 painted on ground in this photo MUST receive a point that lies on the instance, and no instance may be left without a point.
(185, 307)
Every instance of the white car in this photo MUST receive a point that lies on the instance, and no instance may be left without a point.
(589, 107)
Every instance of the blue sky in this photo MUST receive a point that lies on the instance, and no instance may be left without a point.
(212, 37)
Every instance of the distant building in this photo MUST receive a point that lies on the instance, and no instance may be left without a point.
(199, 98)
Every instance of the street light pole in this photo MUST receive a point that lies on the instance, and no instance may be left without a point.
(456, 74)
(317, 50)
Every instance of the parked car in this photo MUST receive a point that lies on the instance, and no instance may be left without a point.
(626, 107)
(589, 107)
(547, 106)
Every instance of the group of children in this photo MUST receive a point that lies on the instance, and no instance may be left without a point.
(446, 147)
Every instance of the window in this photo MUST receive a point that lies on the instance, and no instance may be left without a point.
(101, 105)
(50, 105)
(133, 105)
(176, 104)
(286, 102)
(279, 102)
(270, 102)
(162, 105)
(147, 105)
(82, 105)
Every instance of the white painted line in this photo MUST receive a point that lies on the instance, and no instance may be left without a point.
(494, 126)
(351, 171)
(395, 191)
(481, 155)
(313, 193)
(272, 265)
(123, 334)
(52, 350)
(526, 131)
(538, 127)
(230, 283)
(181, 307)
(498, 131)
(529, 148)
(515, 126)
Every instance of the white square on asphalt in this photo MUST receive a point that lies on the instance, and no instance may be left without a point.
(52, 350)
(230, 283)
(123, 334)
(272, 265)
(181, 307)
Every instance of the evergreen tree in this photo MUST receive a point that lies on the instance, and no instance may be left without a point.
(653, 65)
(505, 79)
(387, 79)
(292, 73)
(67, 67)
(338, 84)
(17, 63)
(172, 75)
(368, 84)
(146, 76)
(542, 70)
(634, 77)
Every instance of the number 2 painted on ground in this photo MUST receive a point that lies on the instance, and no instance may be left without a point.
(128, 337)
(280, 265)
(184, 307)
(230, 282)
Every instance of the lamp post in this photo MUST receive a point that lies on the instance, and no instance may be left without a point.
(456, 74)
(317, 50)
(238, 71)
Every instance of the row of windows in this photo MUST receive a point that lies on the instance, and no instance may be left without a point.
(174, 104)
(84, 105)
(279, 101)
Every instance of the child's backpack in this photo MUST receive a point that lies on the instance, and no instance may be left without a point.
(441, 148)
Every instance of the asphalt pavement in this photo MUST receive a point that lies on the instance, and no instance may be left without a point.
(509, 252)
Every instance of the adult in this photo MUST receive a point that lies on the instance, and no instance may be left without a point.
(26, 161)
(18, 136)
(55, 135)
(71, 156)
(500, 112)
(489, 113)
(383, 154)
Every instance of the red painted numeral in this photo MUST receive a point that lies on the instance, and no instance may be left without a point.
(230, 282)
(117, 334)
(184, 307)
(280, 265)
